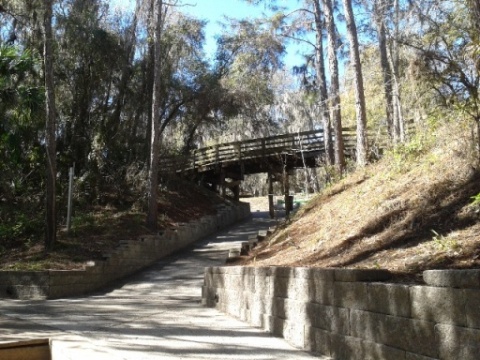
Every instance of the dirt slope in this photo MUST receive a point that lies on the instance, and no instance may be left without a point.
(411, 211)
(99, 229)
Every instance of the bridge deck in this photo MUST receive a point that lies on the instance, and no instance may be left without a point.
(275, 155)
(298, 149)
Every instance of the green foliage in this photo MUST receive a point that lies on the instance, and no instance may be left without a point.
(19, 225)
(449, 48)
(412, 149)
(20, 99)
(103, 72)
(476, 200)
(402, 155)
(82, 222)
(21, 170)
(444, 243)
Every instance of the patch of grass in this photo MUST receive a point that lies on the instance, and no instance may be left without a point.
(476, 200)
(445, 243)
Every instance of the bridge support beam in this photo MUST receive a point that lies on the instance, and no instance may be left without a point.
(222, 185)
(236, 192)
(271, 209)
(286, 189)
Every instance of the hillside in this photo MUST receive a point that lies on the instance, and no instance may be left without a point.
(417, 208)
(99, 229)
(411, 211)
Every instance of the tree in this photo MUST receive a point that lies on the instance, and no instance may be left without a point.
(362, 146)
(303, 20)
(379, 10)
(322, 82)
(335, 106)
(50, 128)
(248, 57)
(398, 120)
(126, 70)
(386, 17)
(87, 78)
(447, 47)
(22, 168)
(474, 15)
(156, 112)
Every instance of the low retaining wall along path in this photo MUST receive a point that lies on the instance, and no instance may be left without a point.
(130, 257)
(354, 314)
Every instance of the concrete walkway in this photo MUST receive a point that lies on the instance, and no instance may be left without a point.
(154, 315)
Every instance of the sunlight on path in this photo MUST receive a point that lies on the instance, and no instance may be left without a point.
(156, 314)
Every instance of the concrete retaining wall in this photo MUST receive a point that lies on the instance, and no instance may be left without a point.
(355, 314)
(130, 257)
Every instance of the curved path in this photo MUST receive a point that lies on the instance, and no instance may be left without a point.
(155, 314)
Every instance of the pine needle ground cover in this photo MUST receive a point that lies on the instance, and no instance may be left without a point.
(98, 229)
(416, 209)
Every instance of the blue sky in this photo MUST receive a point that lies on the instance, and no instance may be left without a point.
(214, 11)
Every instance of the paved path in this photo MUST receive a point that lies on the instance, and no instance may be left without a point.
(153, 315)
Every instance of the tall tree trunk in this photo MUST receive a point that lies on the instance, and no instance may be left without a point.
(156, 112)
(50, 126)
(398, 121)
(379, 19)
(474, 7)
(362, 144)
(322, 84)
(335, 106)
(149, 75)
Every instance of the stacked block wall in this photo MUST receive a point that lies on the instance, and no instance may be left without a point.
(354, 314)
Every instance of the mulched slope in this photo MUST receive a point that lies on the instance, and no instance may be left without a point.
(405, 216)
(99, 230)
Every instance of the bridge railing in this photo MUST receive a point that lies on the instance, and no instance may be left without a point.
(262, 148)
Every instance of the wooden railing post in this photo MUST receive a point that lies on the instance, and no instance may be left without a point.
(217, 156)
(263, 149)
(239, 151)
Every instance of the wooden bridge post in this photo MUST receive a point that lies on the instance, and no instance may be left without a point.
(223, 188)
(236, 192)
(238, 149)
(286, 188)
(271, 209)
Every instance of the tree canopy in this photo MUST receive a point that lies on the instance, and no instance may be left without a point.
(410, 61)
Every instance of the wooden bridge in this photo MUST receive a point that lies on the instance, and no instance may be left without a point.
(224, 166)
(258, 155)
